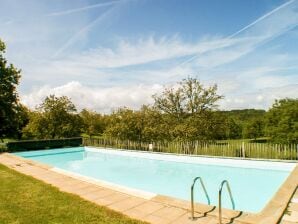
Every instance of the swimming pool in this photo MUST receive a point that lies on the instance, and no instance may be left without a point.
(253, 183)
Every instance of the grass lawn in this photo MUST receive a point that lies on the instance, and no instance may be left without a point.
(24, 199)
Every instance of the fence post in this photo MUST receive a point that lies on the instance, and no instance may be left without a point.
(243, 150)
(150, 147)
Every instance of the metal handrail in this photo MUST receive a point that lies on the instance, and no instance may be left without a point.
(219, 198)
(192, 195)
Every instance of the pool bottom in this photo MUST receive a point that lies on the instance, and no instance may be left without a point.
(102, 183)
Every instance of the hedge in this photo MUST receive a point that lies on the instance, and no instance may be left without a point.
(43, 144)
(3, 147)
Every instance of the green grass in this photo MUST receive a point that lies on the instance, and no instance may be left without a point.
(24, 199)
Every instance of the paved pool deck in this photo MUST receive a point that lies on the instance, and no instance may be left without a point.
(283, 208)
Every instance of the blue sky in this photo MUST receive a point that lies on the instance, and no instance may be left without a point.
(106, 54)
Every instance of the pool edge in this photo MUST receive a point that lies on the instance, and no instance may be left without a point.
(272, 213)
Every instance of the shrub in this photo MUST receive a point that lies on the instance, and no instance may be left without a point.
(43, 144)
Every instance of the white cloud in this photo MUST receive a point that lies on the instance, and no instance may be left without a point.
(262, 99)
(99, 99)
(106, 99)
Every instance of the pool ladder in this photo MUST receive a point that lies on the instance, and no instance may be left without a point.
(223, 183)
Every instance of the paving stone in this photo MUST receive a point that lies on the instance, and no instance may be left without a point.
(293, 207)
(149, 207)
(136, 214)
(156, 219)
(127, 204)
(100, 194)
(186, 219)
(170, 213)
(107, 197)
(291, 217)
(286, 222)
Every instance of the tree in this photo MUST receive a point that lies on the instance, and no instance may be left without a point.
(189, 107)
(9, 101)
(125, 125)
(254, 129)
(170, 102)
(234, 129)
(93, 123)
(188, 98)
(282, 121)
(56, 117)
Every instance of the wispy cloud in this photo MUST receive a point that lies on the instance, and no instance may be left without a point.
(83, 32)
(264, 29)
(70, 11)
(262, 18)
(103, 70)
(147, 50)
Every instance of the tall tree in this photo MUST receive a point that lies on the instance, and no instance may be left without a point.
(254, 129)
(93, 123)
(190, 107)
(56, 117)
(198, 98)
(9, 101)
(187, 98)
(282, 121)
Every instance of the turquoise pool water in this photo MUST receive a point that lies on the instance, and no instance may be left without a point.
(172, 175)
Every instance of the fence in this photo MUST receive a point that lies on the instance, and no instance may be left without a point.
(210, 148)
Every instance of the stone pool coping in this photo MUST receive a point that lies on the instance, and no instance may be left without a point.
(168, 207)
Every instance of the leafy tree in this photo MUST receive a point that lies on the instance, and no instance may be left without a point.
(189, 107)
(56, 117)
(198, 98)
(156, 126)
(282, 121)
(22, 120)
(234, 129)
(189, 97)
(36, 128)
(93, 123)
(123, 125)
(170, 102)
(9, 101)
(254, 129)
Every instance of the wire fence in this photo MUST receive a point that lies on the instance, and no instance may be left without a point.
(209, 148)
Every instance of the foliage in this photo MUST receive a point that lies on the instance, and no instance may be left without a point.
(233, 128)
(189, 97)
(186, 111)
(254, 129)
(93, 123)
(23, 199)
(10, 119)
(56, 117)
(43, 144)
(282, 121)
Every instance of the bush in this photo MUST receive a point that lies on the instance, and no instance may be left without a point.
(259, 140)
(43, 144)
(2, 147)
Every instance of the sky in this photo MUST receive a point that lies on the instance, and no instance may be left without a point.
(109, 54)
